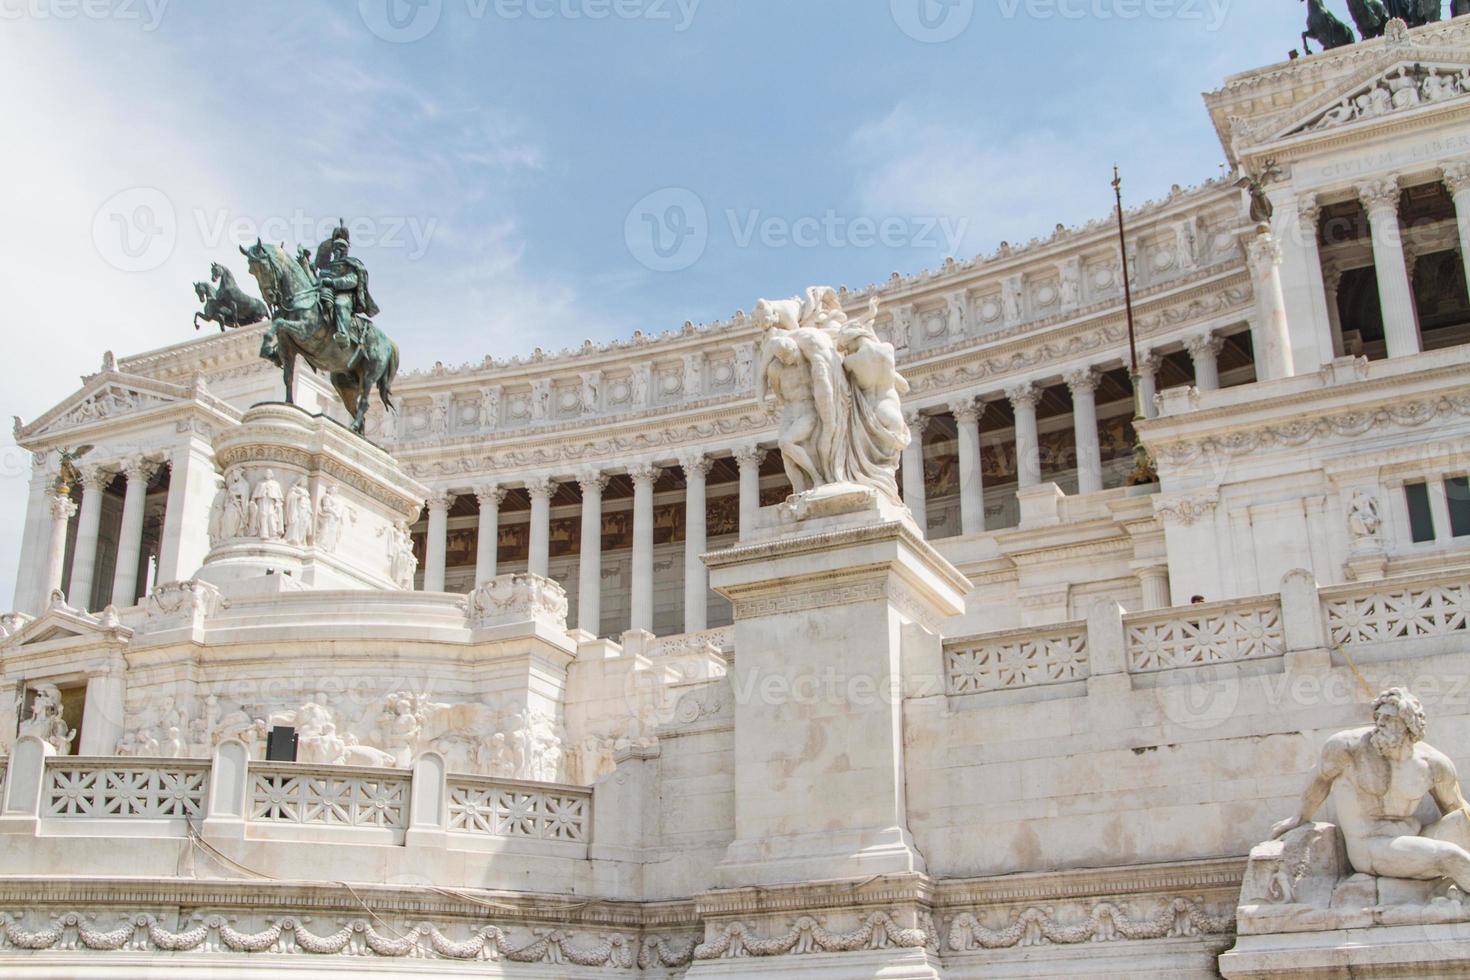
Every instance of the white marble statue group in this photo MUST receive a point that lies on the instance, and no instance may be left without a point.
(838, 391)
(270, 513)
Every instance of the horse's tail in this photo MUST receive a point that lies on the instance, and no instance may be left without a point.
(385, 380)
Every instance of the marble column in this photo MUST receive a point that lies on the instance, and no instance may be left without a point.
(539, 552)
(749, 459)
(33, 537)
(1153, 582)
(913, 472)
(696, 581)
(1148, 383)
(972, 484)
(84, 557)
(487, 542)
(1083, 384)
(1457, 182)
(1331, 281)
(641, 615)
(138, 471)
(1263, 253)
(61, 509)
(1024, 399)
(1204, 350)
(1380, 200)
(438, 540)
(589, 560)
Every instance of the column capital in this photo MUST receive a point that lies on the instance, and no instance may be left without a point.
(95, 477)
(644, 473)
(749, 455)
(917, 422)
(1026, 395)
(1379, 194)
(1309, 214)
(592, 481)
(1263, 252)
(1084, 380)
(61, 505)
(1457, 176)
(440, 500)
(541, 488)
(1332, 275)
(490, 495)
(1204, 344)
(141, 468)
(966, 411)
(695, 464)
(1149, 362)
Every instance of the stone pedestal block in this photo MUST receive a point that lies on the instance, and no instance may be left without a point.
(822, 591)
(306, 504)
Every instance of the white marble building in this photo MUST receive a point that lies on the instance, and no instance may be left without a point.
(619, 724)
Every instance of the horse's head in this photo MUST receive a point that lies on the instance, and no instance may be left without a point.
(216, 272)
(201, 289)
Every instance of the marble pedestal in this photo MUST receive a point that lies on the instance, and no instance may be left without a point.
(823, 590)
(293, 447)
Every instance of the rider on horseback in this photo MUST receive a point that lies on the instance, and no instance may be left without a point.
(344, 287)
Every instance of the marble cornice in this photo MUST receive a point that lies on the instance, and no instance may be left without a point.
(1295, 146)
(846, 895)
(1217, 873)
(799, 544)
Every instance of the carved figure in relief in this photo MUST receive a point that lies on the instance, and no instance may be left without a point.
(235, 521)
(1364, 519)
(1377, 779)
(402, 563)
(331, 514)
(267, 509)
(298, 514)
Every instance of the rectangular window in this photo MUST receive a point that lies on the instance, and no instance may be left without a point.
(1457, 492)
(1421, 521)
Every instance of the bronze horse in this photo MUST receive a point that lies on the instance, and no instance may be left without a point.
(299, 326)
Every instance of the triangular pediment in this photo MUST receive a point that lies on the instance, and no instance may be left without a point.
(105, 396)
(60, 623)
(1405, 86)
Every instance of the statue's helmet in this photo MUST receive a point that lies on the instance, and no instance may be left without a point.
(340, 235)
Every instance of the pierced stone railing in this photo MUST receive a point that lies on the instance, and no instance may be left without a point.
(1021, 658)
(1380, 612)
(329, 796)
(499, 808)
(1191, 636)
(102, 788)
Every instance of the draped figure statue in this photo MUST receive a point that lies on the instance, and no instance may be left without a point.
(838, 391)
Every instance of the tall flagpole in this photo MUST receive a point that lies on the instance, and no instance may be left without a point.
(1143, 465)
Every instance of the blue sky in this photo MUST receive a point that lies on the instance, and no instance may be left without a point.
(506, 162)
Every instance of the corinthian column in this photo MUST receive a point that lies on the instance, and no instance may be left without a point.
(1204, 350)
(1024, 399)
(487, 542)
(1263, 253)
(539, 558)
(641, 616)
(84, 558)
(696, 585)
(1400, 324)
(438, 540)
(1457, 182)
(589, 561)
(749, 459)
(913, 471)
(61, 509)
(972, 484)
(1148, 383)
(1084, 424)
(138, 471)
